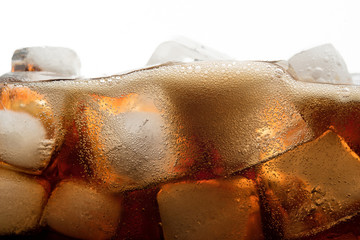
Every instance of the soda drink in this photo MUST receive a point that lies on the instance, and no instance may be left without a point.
(194, 146)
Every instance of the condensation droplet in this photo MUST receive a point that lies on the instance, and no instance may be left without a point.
(279, 72)
(344, 93)
(317, 73)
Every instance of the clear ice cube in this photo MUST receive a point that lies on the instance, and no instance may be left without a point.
(136, 146)
(310, 188)
(79, 210)
(22, 199)
(42, 63)
(184, 50)
(211, 209)
(59, 60)
(23, 141)
(329, 106)
(28, 129)
(322, 64)
(127, 139)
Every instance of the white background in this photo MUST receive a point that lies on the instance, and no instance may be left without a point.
(114, 36)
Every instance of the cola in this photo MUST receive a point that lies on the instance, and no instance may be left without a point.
(193, 146)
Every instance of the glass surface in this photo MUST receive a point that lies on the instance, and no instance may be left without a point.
(206, 149)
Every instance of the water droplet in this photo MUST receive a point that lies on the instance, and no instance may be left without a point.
(317, 73)
(344, 93)
(278, 72)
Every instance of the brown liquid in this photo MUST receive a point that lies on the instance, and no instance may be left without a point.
(216, 127)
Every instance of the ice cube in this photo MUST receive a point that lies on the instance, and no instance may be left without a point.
(184, 50)
(27, 129)
(22, 199)
(355, 78)
(211, 209)
(321, 64)
(325, 106)
(310, 188)
(59, 60)
(230, 115)
(81, 211)
(136, 147)
(23, 141)
(128, 141)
